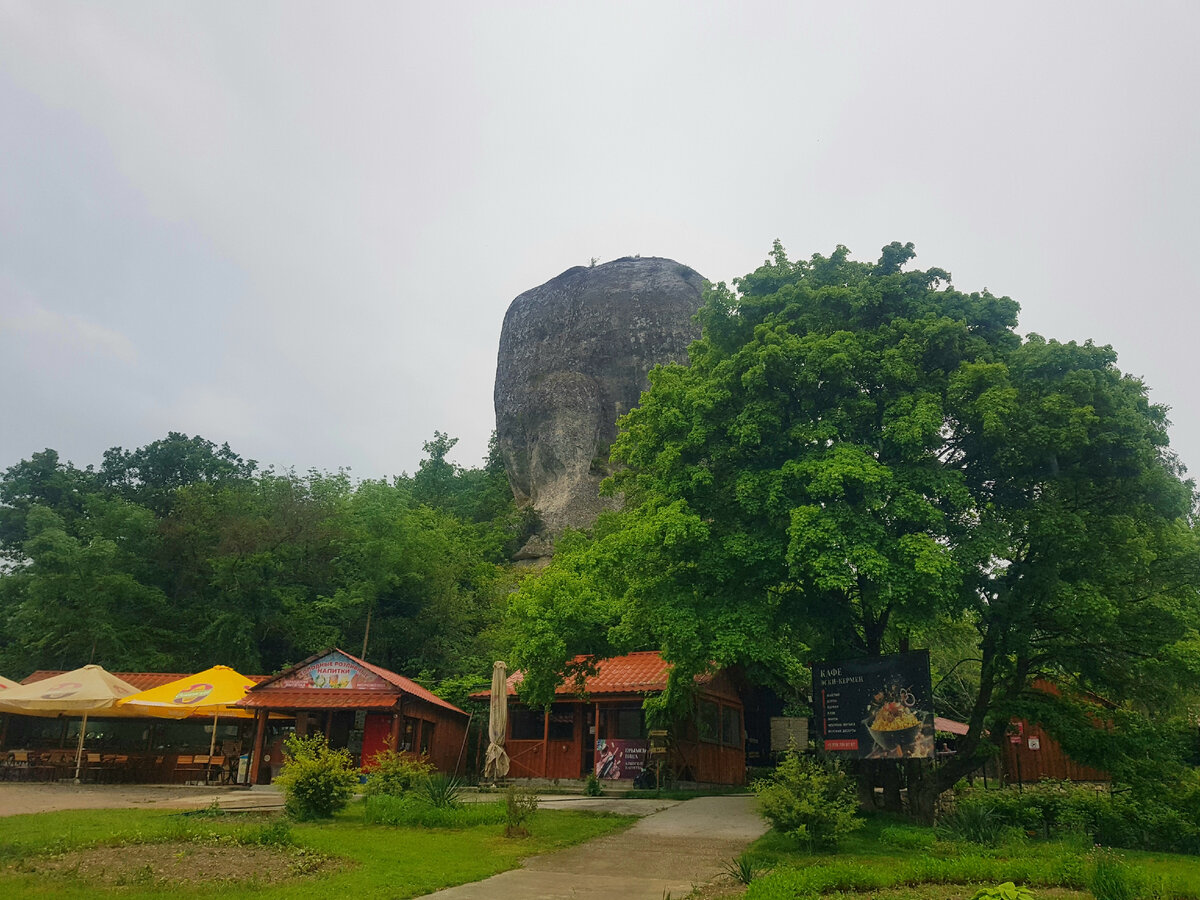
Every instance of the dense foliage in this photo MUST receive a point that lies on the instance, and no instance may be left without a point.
(813, 803)
(860, 459)
(1168, 820)
(180, 554)
(317, 781)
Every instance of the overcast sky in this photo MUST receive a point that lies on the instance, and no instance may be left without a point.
(296, 227)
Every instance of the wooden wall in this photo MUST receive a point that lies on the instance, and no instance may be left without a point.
(1049, 761)
(446, 750)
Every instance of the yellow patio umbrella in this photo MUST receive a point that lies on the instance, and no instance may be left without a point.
(209, 693)
(79, 692)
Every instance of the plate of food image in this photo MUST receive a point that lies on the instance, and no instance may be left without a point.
(894, 725)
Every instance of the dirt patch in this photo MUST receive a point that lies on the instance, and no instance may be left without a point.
(182, 862)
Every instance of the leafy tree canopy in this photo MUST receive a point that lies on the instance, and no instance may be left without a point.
(856, 453)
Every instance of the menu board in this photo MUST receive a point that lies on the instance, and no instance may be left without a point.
(875, 708)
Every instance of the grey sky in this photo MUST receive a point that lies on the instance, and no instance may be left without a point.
(296, 227)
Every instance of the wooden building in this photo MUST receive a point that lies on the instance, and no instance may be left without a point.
(360, 707)
(603, 730)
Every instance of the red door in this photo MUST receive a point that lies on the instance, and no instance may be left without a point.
(377, 733)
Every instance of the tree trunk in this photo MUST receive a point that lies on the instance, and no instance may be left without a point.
(922, 790)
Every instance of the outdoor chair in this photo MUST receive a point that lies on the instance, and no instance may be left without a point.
(186, 769)
(16, 766)
(217, 770)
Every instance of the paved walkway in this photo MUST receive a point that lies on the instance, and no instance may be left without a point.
(671, 850)
(18, 798)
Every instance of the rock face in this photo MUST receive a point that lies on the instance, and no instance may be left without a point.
(574, 356)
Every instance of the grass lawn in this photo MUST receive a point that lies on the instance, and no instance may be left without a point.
(890, 860)
(40, 854)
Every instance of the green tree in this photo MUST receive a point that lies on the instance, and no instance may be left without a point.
(857, 453)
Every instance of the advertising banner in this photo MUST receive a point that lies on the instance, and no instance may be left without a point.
(621, 758)
(334, 672)
(875, 708)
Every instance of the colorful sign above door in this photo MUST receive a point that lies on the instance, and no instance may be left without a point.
(334, 672)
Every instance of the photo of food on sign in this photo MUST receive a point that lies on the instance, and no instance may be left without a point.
(875, 708)
(897, 726)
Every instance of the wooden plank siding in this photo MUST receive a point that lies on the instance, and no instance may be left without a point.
(1049, 761)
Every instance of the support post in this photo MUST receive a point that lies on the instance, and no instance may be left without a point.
(546, 744)
(260, 733)
(395, 738)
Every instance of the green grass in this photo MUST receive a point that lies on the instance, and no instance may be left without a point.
(377, 860)
(901, 859)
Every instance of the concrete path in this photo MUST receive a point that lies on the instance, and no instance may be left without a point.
(672, 851)
(35, 797)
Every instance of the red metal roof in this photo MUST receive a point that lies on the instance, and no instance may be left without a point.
(404, 685)
(303, 698)
(633, 673)
(949, 726)
(143, 681)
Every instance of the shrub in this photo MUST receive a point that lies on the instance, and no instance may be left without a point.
(316, 780)
(395, 774)
(1165, 817)
(519, 805)
(1006, 891)
(592, 787)
(1113, 878)
(813, 803)
(974, 823)
(442, 791)
(742, 869)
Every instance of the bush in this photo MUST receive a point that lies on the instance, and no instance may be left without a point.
(592, 787)
(813, 803)
(316, 780)
(1165, 817)
(519, 805)
(442, 791)
(395, 774)
(976, 824)
(1113, 878)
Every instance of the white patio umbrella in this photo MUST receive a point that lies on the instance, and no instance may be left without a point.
(79, 692)
(496, 763)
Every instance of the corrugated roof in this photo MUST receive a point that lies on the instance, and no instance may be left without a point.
(304, 698)
(949, 726)
(143, 681)
(407, 685)
(633, 673)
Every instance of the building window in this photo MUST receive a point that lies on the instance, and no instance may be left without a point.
(427, 737)
(708, 721)
(562, 722)
(627, 724)
(408, 736)
(525, 724)
(731, 726)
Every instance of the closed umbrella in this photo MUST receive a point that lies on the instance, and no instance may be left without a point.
(79, 692)
(496, 763)
(209, 693)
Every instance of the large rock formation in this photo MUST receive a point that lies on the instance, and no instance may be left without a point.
(574, 356)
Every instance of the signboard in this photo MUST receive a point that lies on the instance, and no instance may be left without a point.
(616, 758)
(1035, 743)
(876, 708)
(789, 733)
(333, 672)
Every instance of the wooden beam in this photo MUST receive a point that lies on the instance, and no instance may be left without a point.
(260, 732)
